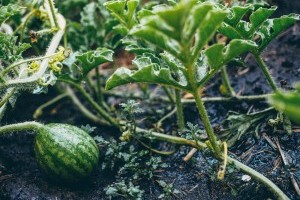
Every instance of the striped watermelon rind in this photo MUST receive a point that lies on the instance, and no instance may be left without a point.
(65, 152)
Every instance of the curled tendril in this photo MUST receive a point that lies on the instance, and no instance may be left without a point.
(55, 62)
(33, 67)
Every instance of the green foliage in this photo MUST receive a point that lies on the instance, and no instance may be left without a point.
(124, 11)
(168, 190)
(236, 125)
(132, 164)
(288, 103)
(92, 59)
(173, 28)
(8, 11)
(192, 132)
(94, 27)
(258, 25)
(147, 73)
(80, 64)
(10, 50)
(126, 190)
(182, 40)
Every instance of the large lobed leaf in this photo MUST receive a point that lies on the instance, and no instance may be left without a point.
(8, 11)
(174, 29)
(148, 72)
(288, 102)
(124, 11)
(219, 55)
(92, 59)
(258, 25)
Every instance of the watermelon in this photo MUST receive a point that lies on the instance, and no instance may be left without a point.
(65, 153)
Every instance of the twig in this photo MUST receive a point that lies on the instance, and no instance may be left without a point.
(190, 154)
(271, 143)
(286, 164)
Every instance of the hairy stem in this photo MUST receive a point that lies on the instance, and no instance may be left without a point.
(6, 97)
(266, 71)
(99, 90)
(52, 13)
(38, 112)
(24, 126)
(206, 123)
(202, 111)
(88, 114)
(169, 95)
(100, 110)
(180, 116)
(226, 81)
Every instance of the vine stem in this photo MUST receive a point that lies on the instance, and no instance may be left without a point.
(191, 76)
(266, 71)
(38, 112)
(52, 13)
(206, 123)
(260, 97)
(24, 126)
(200, 146)
(88, 114)
(100, 110)
(6, 97)
(226, 81)
(180, 116)
(259, 177)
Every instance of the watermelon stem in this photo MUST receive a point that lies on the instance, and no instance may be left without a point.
(24, 126)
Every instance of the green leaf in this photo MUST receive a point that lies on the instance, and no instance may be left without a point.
(236, 14)
(258, 25)
(93, 59)
(218, 55)
(207, 29)
(174, 28)
(273, 27)
(123, 10)
(10, 51)
(288, 103)
(148, 72)
(8, 11)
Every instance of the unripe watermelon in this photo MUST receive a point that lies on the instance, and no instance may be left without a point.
(65, 152)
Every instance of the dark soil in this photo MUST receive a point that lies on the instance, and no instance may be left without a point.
(20, 177)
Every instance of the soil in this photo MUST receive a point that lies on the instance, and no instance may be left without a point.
(20, 177)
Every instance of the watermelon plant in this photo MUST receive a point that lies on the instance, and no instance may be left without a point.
(175, 45)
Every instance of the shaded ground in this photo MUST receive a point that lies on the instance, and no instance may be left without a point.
(20, 177)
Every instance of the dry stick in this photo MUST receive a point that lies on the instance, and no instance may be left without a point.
(190, 154)
(286, 164)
